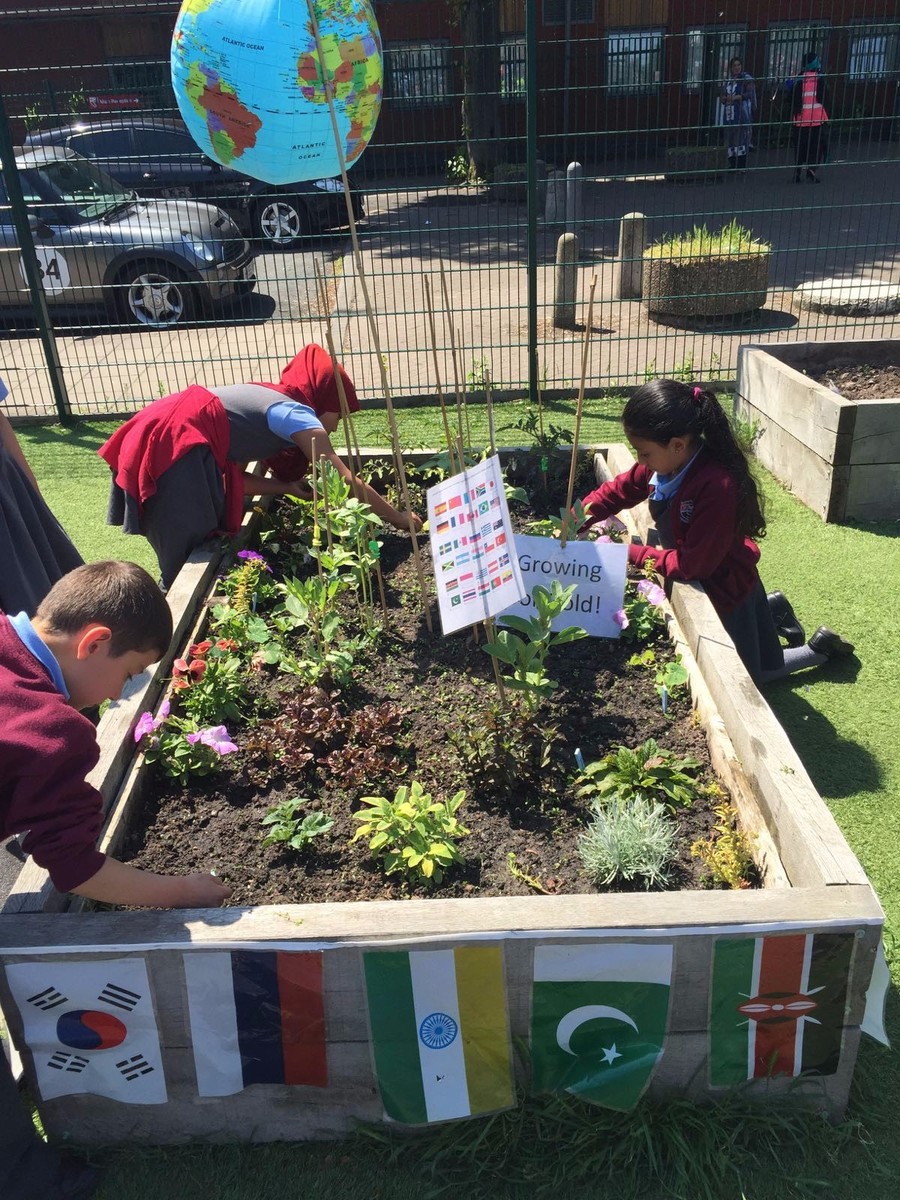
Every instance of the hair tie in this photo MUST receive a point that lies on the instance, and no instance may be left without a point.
(698, 392)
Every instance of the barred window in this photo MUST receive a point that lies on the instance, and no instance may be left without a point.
(512, 69)
(731, 44)
(790, 43)
(582, 12)
(418, 73)
(874, 51)
(634, 60)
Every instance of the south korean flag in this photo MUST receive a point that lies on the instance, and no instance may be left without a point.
(91, 1028)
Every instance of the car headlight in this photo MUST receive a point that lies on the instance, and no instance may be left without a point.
(204, 251)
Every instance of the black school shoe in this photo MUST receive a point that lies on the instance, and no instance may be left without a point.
(785, 619)
(832, 645)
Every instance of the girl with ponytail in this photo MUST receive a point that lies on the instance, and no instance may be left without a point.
(708, 514)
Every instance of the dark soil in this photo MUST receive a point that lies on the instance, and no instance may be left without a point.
(862, 382)
(442, 691)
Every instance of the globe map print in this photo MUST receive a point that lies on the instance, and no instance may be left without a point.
(247, 80)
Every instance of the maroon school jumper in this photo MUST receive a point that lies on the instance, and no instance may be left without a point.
(47, 749)
(703, 519)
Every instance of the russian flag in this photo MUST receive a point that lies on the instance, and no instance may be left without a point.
(257, 1016)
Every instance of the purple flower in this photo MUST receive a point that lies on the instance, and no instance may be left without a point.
(215, 737)
(612, 525)
(603, 538)
(651, 592)
(147, 723)
(621, 619)
(252, 556)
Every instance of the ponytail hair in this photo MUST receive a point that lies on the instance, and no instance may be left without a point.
(665, 408)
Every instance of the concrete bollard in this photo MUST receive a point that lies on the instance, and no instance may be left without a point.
(555, 210)
(566, 281)
(574, 196)
(630, 265)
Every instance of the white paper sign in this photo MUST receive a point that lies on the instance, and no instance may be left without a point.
(475, 568)
(597, 568)
(91, 1028)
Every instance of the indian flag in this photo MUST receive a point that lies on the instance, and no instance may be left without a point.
(440, 1032)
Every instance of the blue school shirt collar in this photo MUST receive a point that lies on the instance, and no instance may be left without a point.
(31, 640)
(665, 486)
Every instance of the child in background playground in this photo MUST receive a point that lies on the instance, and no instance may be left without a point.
(706, 506)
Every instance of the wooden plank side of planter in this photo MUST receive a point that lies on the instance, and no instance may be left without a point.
(803, 407)
(873, 492)
(876, 434)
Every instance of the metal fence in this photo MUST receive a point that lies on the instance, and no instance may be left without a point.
(486, 105)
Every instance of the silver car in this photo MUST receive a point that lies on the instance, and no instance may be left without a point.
(157, 263)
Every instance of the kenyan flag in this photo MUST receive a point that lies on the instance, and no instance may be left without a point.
(777, 1005)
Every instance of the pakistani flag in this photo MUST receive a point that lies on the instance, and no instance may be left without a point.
(440, 1032)
(90, 1027)
(778, 1005)
(598, 1019)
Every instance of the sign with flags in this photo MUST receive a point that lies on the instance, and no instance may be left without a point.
(91, 1028)
(257, 1016)
(599, 1015)
(777, 1005)
(440, 1032)
(476, 570)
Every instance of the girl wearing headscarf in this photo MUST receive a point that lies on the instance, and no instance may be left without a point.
(738, 98)
(179, 465)
(810, 119)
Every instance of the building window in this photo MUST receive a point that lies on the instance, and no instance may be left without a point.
(149, 79)
(512, 69)
(634, 60)
(707, 53)
(417, 73)
(874, 51)
(581, 12)
(789, 45)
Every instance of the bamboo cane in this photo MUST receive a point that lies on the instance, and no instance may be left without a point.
(456, 373)
(316, 532)
(490, 630)
(437, 377)
(466, 405)
(578, 409)
(328, 91)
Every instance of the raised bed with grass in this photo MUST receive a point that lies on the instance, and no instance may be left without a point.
(811, 885)
(706, 273)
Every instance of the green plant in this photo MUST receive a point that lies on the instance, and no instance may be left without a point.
(526, 648)
(179, 746)
(647, 771)
(502, 749)
(746, 433)
(728, 242)
(568, 522)
(641, 614)
(412, 833)
(726, 853)
(517, 873)
(627, 840)
(670, 678)
(211, 683)
(287, 827)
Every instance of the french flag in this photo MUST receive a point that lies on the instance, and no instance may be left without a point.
(257, 1016)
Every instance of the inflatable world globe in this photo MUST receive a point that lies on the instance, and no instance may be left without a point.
(248, 83)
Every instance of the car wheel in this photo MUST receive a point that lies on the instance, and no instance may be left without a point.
(281, 221)
(157, 295)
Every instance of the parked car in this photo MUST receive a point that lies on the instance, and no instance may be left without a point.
(160, 158)
(150, 262)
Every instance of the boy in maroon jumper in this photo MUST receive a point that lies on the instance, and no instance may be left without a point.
(96, 628)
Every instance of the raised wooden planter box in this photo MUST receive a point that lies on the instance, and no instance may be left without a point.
(813, 884)
(841, 457)
(705, 287)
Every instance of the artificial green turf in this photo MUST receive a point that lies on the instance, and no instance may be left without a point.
(842, 719)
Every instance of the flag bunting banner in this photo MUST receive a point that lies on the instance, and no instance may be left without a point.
(777, 1006)
(257, 1016)
(440, 1032)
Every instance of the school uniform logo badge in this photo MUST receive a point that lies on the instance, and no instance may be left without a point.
(686, 510)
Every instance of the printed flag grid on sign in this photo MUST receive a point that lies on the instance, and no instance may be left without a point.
(778, 1006)
(91, 1028)
(266, 1025)
(599, 1016)
(440, 1032)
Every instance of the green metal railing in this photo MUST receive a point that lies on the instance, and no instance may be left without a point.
(464, 185)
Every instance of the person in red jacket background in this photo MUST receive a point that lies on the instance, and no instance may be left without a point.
(706, 506)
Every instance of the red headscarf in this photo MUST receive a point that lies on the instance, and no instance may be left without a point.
(309, 379)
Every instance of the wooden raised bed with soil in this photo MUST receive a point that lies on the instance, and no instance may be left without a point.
(812, 883)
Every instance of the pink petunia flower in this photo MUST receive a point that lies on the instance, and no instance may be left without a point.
(216, 737)
(147, 723)
(621, 619)
(651, 591)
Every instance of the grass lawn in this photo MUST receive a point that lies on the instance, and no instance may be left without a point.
(844, 723)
